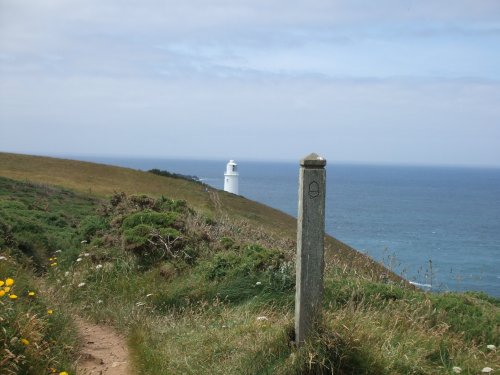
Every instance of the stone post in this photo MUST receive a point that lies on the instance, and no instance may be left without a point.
(310, 245)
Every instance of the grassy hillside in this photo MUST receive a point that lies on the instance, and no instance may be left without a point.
(104, 180)
(198, 289)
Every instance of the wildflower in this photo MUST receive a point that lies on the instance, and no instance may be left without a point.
(86, 254)
(9, 282)
(31, 294)
(66, 273)
(486, 370)
(81, 284)
(50, 311)
(2, 282)
(2, 293)
(57, 251)
(258, 283)
(6, 289)
(63, 373)
(456, 369)
(84, 241)
(12, 296)
(53, 264)
(491, 347)
(25, 342)
(79, 259)
(99, 266)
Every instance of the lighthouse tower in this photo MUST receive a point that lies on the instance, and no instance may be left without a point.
(231, 177)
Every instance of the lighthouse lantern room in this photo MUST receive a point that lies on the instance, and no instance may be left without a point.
(231, 177)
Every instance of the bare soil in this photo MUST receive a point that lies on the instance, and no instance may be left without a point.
(103, 352)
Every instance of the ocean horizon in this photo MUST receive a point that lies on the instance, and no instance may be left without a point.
(437, 226)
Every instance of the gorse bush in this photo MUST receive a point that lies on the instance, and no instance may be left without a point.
(152, 218)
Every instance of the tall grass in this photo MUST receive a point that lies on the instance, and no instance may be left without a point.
(221, 302)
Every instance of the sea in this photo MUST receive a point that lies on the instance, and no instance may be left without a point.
(438, 227)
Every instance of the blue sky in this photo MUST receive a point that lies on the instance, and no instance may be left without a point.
(412, 82)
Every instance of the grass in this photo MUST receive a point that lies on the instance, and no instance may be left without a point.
(36, 337)
(105, 180)
(216, 296)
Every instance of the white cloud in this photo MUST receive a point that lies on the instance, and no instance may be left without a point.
(378, 80)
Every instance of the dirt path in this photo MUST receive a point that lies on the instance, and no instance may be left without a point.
(104, 351)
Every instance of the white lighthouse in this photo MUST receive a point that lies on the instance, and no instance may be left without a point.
(231, 177)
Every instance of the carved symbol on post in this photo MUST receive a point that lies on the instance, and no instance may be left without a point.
(313, 189)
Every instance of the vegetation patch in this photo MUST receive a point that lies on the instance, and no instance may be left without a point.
(198, 293)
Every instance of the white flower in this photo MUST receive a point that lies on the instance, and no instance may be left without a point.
(57, 251)
(84, 241)
(79, 259)
(486, 370)
(99, 266)
(149, 295)
(100, 301)
(456, 369)
(491, 347)
(86, 254)
(262, 318)
(258, 283)
(66, 273)
(81, 284)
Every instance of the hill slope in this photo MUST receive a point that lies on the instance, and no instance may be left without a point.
(198, 289)
(104, 180)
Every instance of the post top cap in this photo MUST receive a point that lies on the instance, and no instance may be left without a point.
(313, 161)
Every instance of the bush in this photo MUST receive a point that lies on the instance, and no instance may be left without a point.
(255, 259)
(137, 238)
(155, 219)
(90, 226)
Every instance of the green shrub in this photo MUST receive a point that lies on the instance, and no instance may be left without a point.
(155, 219)
(90, 226)
(137, 238)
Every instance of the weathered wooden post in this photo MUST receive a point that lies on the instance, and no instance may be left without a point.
(310, 244)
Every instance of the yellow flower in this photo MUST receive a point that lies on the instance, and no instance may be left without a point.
(6, 289)
(63, 373)
(53, 264)
(2, 282)
(12, 296)
(31, 294)
(2, 293)
(50, 311)
(9, 282)
(25, 341)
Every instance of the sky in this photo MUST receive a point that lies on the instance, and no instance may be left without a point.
(398, 82)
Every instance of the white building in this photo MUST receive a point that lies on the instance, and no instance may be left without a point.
(231, 177)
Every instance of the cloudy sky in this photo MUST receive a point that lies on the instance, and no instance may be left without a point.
(408, 81)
